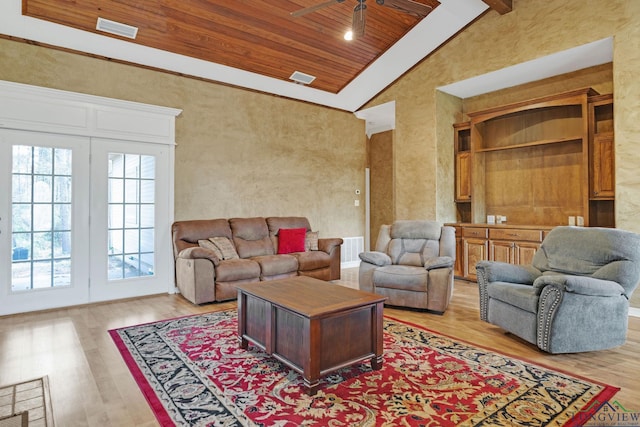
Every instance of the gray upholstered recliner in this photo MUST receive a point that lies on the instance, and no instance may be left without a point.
(575, 295)
(412, 265)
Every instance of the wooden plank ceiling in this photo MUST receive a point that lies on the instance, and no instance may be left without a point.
(252, 35)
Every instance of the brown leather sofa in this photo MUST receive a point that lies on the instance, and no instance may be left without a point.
(204, 275)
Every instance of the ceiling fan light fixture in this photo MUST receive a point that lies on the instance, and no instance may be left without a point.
(117, 28)
(359, 19)
(302, 78)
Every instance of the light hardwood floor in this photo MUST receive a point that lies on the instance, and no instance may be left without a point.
(91, 386)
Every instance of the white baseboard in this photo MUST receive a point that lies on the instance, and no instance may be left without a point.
(634, 311)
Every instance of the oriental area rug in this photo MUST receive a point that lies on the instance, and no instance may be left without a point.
(193, 373)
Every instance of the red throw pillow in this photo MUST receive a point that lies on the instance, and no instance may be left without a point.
(291, 240)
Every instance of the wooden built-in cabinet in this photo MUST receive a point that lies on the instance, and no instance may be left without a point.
(504, 243)
(462, 154)
(602, 161)
(537, 162)
(474, 249)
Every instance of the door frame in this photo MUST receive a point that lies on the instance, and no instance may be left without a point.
(33, 108)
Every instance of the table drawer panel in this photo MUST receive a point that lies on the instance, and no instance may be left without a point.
(477, 232)
(515, 234)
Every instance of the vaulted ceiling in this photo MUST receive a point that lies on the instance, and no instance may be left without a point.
(257, 44)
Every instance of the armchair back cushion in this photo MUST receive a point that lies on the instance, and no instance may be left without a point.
(414, 242)
(588, 251)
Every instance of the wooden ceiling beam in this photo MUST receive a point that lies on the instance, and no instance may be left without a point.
(500, 6)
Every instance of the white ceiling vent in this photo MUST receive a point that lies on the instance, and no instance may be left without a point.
(117, 28)
(302, 78)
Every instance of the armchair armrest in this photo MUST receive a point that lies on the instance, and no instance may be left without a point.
(375, 258)
(492, 271)
(582, 285)
(327, 244)
(438, 262)
(198, 252)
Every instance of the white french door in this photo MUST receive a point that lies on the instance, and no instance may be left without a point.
(130, 226)
(44, 221)
(81, 220)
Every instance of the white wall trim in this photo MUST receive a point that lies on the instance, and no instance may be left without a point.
(34, 108)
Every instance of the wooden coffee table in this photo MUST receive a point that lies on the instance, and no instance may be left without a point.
(312, 326)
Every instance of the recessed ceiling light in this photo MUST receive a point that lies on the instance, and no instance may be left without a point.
(348, 35)
(116, 28)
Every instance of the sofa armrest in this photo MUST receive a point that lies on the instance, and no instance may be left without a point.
(328, 244)
(438, 262)
(197, 252)
(582, 285)
(375, 258)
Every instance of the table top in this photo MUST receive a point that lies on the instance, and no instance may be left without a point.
(308, 296)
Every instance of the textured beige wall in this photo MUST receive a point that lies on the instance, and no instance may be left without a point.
(381, 182)
(533, 29)
(239, 153)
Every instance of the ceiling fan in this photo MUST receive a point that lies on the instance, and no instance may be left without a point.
(411, 7)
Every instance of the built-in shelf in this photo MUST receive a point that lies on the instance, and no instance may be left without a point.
(538, 162)
(577, 138)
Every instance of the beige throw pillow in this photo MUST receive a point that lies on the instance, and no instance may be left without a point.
(311, 241)
(226, 247)
(207, 244)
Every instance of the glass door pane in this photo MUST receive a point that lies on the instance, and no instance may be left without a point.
(41, 217)
(130, 219)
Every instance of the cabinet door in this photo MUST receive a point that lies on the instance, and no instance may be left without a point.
(501, 251)
(524, 252)
(474, 250)
(603, 185)
(463, 176)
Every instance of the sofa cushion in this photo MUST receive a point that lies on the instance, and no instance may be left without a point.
(403, 277)
(313, 260)
(275, 223)
(237, 269)
(187, 233)
(251, 237)
(291, 240)
(275, 265)
(522, 296)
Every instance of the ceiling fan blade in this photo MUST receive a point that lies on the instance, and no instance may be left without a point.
(411, 7)
(315, 7)
(359, 19)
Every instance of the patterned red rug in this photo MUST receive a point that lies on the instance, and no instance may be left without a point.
(192, 372)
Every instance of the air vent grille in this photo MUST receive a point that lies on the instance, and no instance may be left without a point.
(117, 28)
(302, 78)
